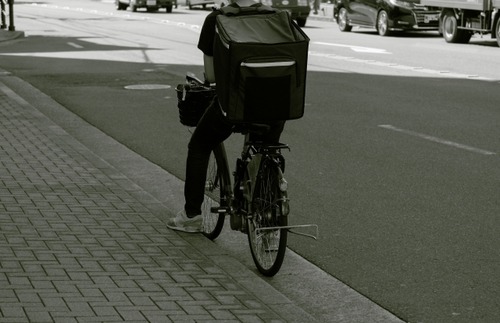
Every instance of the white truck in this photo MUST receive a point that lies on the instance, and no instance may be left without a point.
(460, 19)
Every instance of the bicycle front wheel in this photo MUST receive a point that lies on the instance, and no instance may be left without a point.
(267, 241)
(215, 200)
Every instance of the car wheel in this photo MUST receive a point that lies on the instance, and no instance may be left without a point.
(451, 33)
(301, 22)
(383, 23)
(450, 30)
(342, 20)
(119, 5)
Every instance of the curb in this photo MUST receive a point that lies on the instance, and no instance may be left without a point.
(6, 35)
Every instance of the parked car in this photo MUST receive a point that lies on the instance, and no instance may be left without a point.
(298, 9)
(203, 3)
(150, 5)
(385, 15)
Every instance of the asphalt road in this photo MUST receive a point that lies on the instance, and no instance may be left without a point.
(396, 161)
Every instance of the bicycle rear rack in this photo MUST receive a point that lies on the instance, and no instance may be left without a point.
(290, 227)
(227, 210)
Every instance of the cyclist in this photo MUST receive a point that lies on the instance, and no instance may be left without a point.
(212, 129)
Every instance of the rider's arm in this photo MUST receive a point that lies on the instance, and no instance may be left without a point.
(208, 62)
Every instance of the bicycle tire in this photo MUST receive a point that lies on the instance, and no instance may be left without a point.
(267, 246)
(216, 186)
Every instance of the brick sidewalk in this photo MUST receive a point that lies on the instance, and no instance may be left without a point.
(79, 242)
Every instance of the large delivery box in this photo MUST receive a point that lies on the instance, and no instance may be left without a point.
(260, 61)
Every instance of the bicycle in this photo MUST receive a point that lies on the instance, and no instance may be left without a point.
(256, 201)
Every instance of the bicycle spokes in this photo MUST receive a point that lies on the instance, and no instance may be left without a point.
(213, 220)
(267, 240)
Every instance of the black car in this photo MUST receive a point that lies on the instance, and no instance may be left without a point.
(385, 15)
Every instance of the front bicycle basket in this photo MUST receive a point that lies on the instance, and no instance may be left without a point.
(193, 99)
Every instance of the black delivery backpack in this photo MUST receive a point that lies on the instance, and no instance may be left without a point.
(260, 63)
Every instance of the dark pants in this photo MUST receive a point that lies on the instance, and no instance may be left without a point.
(212, 129)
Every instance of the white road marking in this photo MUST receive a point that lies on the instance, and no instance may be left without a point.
(193, 27)
(74, 45)
(395, 66)
(358, 49)
(437, 140)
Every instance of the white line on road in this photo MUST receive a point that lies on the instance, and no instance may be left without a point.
(358, 49)
(438, 140)
(74, 45)
(388, 65)
(192, 27)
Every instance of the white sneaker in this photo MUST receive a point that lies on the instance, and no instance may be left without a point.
(182, 223)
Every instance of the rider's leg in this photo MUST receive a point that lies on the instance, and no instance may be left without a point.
(211, 131)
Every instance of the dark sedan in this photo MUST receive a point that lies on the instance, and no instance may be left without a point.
(385, 15)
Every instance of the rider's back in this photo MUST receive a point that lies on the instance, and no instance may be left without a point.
(260, 61)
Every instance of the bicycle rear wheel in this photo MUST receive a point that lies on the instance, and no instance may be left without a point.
(267, 242)
(215, 199)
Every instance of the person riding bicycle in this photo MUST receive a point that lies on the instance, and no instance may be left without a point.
(212, 129)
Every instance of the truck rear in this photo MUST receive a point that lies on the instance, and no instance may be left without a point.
(460, 19)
